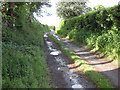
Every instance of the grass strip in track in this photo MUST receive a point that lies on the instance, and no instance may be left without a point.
(100, 80)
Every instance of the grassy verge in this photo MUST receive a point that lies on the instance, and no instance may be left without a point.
(23, 58)
(88, 70)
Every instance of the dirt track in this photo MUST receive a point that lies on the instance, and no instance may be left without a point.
(61, 72)
(102, 65)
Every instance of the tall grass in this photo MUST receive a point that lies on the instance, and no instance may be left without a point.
(23, 58)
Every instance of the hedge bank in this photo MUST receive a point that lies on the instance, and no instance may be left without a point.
(98, 30)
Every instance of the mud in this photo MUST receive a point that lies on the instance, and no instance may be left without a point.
(61, 74)
(102, 65)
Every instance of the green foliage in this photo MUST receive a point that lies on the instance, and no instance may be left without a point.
(99, 7)
(18, 13)
(23, 58)
(98, 30)
(67, 10)
(52, 27)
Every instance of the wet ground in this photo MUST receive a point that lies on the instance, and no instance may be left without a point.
(60, 67)
(102, 65)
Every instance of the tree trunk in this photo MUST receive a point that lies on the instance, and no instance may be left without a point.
(12, 13)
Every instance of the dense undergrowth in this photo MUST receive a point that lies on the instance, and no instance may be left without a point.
(23, 59)
(98, 30)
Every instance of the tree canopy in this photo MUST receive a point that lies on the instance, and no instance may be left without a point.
(70, 9)
(18, 13)
(99, 7)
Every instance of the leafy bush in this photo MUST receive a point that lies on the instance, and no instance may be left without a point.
(97, 29)
(23, 59)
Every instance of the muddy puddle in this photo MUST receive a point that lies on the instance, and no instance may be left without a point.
(61, 75)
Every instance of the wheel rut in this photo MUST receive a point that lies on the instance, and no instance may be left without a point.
(102, 65)
(61, 72)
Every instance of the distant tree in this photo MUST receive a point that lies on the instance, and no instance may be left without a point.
(119, 3)
(52, 27)
(70, 9)
(99, 7)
